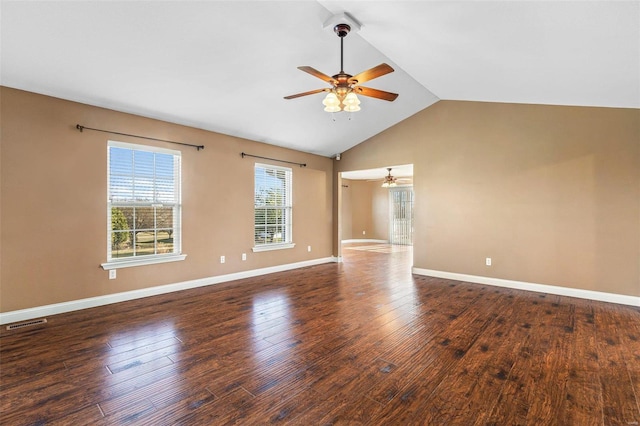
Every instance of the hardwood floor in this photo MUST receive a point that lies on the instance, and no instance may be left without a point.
(363, 342)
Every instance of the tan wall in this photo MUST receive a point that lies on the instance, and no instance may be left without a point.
(346, 210)
(550, 193)
(53, 211)
(380, 211)
(361, 209)
(364, 207)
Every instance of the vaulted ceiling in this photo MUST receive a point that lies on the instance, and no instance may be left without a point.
(225, 66)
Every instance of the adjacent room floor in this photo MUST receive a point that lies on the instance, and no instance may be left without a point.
(361, 342)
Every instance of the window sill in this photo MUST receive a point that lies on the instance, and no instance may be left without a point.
(269, 247)
(128, 263)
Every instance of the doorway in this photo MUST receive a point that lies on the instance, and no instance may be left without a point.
(373, 214)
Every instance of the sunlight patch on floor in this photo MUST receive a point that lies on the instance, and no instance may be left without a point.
(381, 248)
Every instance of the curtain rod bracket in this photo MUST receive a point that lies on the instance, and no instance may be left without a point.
(81, 129)
(244, 154)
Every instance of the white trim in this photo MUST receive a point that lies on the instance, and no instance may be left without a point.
(540, 288)
(336, 259)
(365, 240)
(268, 247)
(75, 305)
(142, 260)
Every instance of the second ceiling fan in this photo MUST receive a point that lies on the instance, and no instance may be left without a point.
(342, 95)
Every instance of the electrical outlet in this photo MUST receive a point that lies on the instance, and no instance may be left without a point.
(487, 261)
(222, 259)
(364, 232)
(244, 256)
(112, 274)
(308, 248)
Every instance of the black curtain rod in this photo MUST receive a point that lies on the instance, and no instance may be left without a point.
(81, 128)
(274, 159)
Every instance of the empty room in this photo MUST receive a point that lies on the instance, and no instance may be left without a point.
(320, 212)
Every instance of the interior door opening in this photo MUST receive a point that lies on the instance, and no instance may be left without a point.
(373, 216)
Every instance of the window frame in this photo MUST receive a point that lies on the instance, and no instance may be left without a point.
(148, 259)
(287, 207)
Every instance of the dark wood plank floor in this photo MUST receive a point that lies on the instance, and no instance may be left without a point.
(363, 342)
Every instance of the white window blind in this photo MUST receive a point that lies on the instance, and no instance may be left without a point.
(272, 207)
(144, 207)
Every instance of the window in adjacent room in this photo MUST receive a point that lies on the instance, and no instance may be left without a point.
(272, 208)
(143, 205)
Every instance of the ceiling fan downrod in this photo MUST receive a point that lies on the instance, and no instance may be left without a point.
(342, 30)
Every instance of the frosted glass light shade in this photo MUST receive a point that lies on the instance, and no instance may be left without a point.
(351, 99)
(351, 102)
(331, 102)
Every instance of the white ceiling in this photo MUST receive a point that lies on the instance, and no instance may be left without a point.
(225, 66)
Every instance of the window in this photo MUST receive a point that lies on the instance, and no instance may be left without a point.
(143, 205)
(272, 207)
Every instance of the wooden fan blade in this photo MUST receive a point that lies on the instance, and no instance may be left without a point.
(314, 72)
(370, 74)
(375, 93)
(312, 92)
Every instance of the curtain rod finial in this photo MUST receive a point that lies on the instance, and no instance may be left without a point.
(79, 127)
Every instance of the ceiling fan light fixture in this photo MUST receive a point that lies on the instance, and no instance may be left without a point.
(331, 103)
(351, 99)
(341, 91)
(389, 181)
(351, 103)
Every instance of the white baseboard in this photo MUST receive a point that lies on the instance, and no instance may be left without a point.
(75, 305)
(540, 288)
(365, 240)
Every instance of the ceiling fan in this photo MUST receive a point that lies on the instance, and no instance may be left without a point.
(390, 181)
(341, 95)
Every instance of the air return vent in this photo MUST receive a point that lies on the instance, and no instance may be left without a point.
(27, 324)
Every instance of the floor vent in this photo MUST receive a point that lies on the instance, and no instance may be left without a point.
(26, 324)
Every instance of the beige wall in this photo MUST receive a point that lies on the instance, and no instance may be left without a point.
(364, 207)
(361, 220)
(550, 193)
(379, 211)
(346, 209)
(53, 203)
